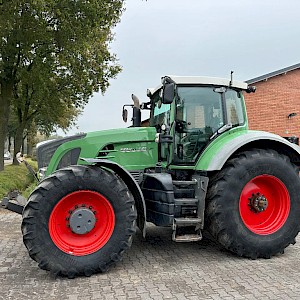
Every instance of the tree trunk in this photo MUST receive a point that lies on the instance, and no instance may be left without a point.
(23, 145)
(18, 141)
(30, 143)
(9, 144)
(6, 92)
(29, 148)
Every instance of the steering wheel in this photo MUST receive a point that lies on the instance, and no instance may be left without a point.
(190, 143)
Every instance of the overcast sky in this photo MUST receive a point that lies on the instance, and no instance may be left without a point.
(193, 37)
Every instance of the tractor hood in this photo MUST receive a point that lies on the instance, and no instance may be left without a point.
(133, 148)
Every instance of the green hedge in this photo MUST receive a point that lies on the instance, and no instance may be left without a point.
(16, 178)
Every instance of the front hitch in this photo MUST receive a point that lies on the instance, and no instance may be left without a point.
(14, 201)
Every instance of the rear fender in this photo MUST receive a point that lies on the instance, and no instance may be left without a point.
(131, 184)
(251, 139)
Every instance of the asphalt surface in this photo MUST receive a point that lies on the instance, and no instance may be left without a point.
(155, 268)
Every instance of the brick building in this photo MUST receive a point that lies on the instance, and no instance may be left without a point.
(275, 106)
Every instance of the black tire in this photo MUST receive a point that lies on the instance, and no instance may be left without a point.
(250, 233)
(44, 204)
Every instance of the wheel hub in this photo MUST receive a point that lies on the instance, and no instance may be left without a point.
(258, 202)
(82, 220)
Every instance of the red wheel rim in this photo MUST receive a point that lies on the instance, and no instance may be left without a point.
(273, 217)
(81, 244)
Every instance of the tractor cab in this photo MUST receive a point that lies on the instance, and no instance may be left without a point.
(190, 112)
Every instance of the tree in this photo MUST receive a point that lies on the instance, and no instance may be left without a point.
(54, 110)
(53, 54)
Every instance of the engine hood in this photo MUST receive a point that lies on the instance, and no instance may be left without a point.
(133, 148)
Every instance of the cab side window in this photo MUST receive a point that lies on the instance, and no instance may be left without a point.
(234, 108)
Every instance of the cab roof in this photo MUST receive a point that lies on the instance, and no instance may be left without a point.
(201, 80)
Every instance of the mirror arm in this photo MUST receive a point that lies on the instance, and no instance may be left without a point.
(146, 105)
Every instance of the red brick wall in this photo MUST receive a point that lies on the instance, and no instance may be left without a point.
(273, 100)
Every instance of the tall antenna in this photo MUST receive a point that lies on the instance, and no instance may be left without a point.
(231, 78)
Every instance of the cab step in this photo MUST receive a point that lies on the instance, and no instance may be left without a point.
(184, 182)
(186, 230)
(186, 201)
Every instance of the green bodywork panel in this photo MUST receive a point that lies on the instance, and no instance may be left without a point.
(217, 145)
(133, 148)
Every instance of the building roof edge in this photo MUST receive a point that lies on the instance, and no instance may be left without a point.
(273, 74)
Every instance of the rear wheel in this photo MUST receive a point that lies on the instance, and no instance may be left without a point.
(253, 204)
(79, 221)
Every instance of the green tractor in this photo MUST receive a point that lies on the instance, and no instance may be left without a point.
(196, 167)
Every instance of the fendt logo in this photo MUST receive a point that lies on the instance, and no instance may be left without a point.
(130, 150)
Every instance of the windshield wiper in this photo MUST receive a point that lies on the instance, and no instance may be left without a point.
(221, 130)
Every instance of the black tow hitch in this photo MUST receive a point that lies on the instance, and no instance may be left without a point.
(14, 201)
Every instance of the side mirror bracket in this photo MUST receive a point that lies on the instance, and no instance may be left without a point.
(251, 89)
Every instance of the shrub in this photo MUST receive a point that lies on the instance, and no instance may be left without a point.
(16, 178)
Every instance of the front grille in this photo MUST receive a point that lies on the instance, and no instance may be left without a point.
(45, 151)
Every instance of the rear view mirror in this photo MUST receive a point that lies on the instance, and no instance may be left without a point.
(125, 114)
(168, 93)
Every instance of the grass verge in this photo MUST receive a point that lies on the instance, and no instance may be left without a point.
(17, 178)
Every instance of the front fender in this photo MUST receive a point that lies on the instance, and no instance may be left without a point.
(217, 154)
(131, 184)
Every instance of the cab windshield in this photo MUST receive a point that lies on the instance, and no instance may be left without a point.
(200, 108)
(200, 112)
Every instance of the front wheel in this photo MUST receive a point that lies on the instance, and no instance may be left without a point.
(253, 204)
(78, 221)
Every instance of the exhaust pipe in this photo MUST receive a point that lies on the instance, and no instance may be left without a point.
(136, 117)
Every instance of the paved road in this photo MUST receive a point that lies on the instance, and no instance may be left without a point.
(155, 268)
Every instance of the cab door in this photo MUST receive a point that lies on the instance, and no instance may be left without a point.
(162, 118)
(199, 115)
